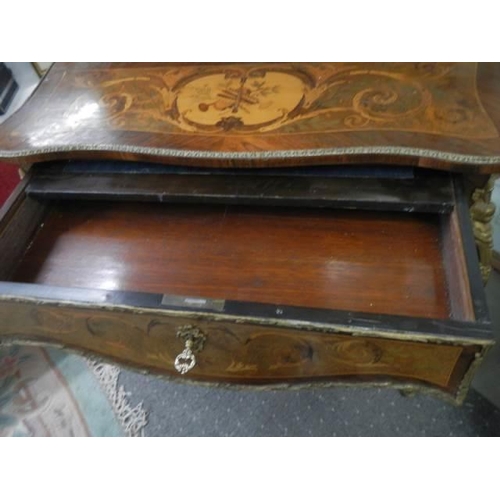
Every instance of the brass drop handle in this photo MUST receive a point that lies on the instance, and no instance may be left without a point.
(194, 340)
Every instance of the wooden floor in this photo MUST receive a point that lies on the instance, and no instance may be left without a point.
(371, 262)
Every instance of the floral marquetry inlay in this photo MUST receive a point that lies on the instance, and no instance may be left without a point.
(436, 98)
(243, 100)
(258, 115)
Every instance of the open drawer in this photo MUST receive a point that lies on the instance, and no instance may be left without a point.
(243, 281)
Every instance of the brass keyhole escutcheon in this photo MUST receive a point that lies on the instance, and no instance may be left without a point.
(194, 340)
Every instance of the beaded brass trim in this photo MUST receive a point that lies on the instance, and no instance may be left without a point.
(259, 155)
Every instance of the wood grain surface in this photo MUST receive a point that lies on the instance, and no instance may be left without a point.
(441, 115)
(352, 260)
(239, 353)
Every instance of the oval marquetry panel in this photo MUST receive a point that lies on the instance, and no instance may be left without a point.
(444, 115)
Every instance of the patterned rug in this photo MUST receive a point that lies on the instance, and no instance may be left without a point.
(45, 392)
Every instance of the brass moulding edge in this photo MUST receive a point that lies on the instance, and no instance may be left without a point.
(259, 155)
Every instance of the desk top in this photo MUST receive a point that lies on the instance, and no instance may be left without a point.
(436, 115)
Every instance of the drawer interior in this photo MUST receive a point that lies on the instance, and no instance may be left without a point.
(317, 284)
(353, 260)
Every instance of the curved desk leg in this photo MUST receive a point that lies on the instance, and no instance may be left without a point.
(482, 211)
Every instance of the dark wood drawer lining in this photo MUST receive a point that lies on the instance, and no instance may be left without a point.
(114, 181)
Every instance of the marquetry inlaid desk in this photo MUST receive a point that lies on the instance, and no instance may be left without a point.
(264, 225)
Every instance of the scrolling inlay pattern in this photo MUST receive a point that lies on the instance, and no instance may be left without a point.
(436, 98)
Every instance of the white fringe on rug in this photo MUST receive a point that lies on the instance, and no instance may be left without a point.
(134, 419)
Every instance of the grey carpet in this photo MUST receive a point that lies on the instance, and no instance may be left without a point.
(185, 410)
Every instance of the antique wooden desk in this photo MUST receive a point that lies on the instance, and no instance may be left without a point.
(268, 225)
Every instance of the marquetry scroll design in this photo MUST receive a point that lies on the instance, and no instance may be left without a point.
(436, 98)
(236, 352)
(482, 211)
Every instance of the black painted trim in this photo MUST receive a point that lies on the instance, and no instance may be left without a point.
(440, 329)
(470, 252)
(424, 193)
